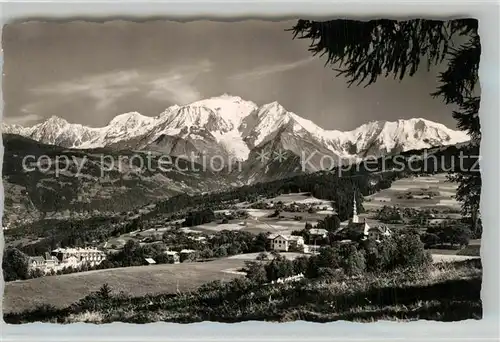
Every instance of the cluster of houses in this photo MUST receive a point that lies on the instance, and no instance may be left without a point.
(61, 258)
(311, 205)
(173, 256)
(285, 243)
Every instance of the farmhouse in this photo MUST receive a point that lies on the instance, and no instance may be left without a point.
(283, 243)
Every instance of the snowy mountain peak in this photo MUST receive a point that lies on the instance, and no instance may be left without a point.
(232, 109)
(275, 107)
(133, 118)
(226, 97)
(55, 120)
(232, 124)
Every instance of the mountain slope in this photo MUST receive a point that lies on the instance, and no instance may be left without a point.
(80, 181)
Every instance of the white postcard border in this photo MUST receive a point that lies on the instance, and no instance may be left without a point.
(488, 14)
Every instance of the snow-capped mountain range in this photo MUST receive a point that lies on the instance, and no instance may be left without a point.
(234, 127)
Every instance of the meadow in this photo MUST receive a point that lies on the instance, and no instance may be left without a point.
(433, 192)
(63, 290)
(444, 291)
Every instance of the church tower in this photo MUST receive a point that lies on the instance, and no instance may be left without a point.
(355, 218)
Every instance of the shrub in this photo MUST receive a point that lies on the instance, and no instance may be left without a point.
(162, 258)
(221, 252)
(36, 273)
(326, 272)
(296, 248)
(279, 267)
(15, 264)
(399, 251)
(262, 256)
(105, 291)
(211, 286)
(206, 253)
(429, 240)
(410, 252)
(300, 265)
(275, 214)
(256, 272)
(353, 260)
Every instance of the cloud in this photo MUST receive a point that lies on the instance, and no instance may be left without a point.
(178, 83)
(22, 120)
(270, 69)
(105, 90)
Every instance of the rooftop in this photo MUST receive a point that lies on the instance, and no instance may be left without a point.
(318, 231)
(285, 236)
(150, 261)
(76, 250)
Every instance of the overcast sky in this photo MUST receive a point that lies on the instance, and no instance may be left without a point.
(89, 72)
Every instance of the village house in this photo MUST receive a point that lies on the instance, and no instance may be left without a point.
(377, 233)
(173, 256)
(317, 233)
(187, 255)
(44, 263)
(283, 243)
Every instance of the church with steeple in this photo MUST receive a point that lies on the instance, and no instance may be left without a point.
(376, 233)
(354, 221)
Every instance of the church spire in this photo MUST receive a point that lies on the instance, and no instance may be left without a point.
(354, 211)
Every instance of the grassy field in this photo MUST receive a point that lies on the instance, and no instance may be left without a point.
(444, 292)
(442, 194)
(63, 290)
(252, 256)
(257, 222)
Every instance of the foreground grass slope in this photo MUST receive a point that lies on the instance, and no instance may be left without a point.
(61, 291)
(447, 292)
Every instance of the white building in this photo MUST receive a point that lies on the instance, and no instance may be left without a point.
(37, 262)
(62, 258)
(44, 263)
(89, 256)
(283, 243)
(318, 233)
